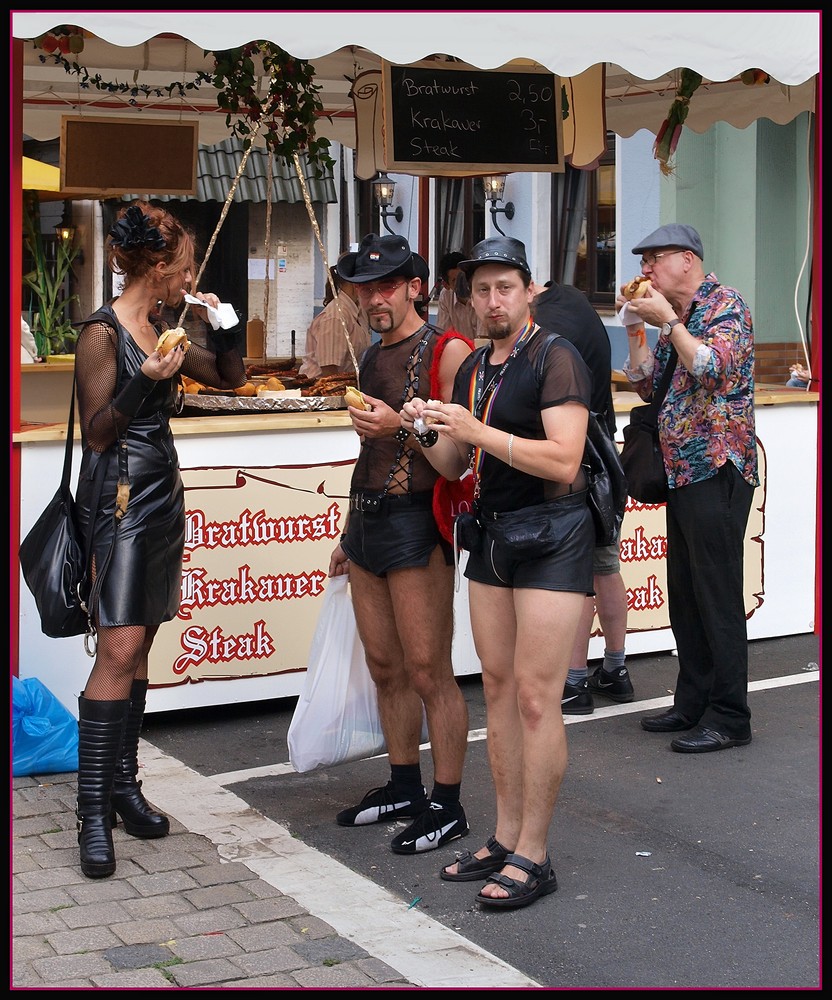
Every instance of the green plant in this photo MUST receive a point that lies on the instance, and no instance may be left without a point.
(286, 115)
(50, 325)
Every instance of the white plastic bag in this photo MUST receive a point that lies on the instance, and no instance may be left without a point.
(336, 718)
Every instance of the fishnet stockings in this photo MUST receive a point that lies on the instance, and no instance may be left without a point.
(121, 658)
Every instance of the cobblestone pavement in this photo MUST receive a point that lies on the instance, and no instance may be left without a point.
(228, 899)
(173, 915)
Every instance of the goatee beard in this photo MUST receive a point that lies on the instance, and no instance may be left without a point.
(499, 331)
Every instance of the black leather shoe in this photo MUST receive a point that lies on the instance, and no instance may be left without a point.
(670, 721)
(702, 740)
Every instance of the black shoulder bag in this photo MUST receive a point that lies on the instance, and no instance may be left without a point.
(54, 562)
(606, 486)
(641, 454)
(606, 482)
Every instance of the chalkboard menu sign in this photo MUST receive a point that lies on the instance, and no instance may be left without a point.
(458, 120)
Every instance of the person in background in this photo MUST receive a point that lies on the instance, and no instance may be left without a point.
(799, 377)
(519, 414)
(400, 567)
(455, 311)
(327, 343)
(138, 556)
(28, 346)
(709, 446)
(565, 309)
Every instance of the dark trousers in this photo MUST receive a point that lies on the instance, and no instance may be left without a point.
(706, 525)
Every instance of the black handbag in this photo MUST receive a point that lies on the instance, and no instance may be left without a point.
(606, 482)
(54, 560)
(641, 455)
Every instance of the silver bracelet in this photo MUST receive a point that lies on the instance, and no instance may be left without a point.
(510, 443)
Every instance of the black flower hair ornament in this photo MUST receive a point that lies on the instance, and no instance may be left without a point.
(133, 231)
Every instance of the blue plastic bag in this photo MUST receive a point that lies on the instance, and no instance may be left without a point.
(44, 731)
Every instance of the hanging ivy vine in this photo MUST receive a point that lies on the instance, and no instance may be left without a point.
(285, 116)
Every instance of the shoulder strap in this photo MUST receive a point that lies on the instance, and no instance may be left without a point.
(664, 385)
(547, 340)
(106, 316)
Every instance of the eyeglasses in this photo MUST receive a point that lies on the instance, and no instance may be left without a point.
(651, 258)
(384, 288)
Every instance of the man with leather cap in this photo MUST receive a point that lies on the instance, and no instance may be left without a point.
(400, 567)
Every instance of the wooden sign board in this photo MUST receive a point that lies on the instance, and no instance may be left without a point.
(108, 157)
(441, 120)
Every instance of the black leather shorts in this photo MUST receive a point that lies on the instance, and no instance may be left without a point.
(395, 532)
(566, 566)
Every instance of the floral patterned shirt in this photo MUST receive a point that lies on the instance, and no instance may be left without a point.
(707, 417)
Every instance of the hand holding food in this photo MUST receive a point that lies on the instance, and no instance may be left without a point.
(420, 424)
(353, 397)
(171, 339)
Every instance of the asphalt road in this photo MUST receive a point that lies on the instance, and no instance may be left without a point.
(675, 870)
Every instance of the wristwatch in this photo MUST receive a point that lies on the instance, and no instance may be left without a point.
(667, 327)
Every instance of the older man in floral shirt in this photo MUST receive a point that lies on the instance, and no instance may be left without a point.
(709, 446)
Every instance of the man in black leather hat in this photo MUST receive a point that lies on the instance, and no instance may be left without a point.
(519, 415)
(400, 567)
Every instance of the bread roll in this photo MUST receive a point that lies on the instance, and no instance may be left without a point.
(171, 339)
(637, 287)
(353, 397)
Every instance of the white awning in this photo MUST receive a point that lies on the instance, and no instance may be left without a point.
(643, 54)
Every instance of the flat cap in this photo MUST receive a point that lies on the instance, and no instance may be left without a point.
(675, 234)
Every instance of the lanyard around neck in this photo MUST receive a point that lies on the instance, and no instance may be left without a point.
(481, 397)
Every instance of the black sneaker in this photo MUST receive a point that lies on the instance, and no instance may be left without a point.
(577, 699)
(433, 828)
(380, 804)
(617, 686)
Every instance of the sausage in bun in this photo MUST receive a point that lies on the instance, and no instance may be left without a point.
(637, 287)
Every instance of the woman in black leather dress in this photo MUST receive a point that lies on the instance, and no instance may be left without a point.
(127, 392)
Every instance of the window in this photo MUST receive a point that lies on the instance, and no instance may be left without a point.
(460, 214)
(583, 228)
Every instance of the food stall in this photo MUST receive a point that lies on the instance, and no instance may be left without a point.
(266, 498)
(266, 489)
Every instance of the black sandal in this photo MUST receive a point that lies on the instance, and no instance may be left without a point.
(540, 882)
(471, 868)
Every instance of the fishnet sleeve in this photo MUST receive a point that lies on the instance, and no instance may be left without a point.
(104, 415)
(566, 377)
(221, 370)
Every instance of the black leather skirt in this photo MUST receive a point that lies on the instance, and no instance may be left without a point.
(142, 583)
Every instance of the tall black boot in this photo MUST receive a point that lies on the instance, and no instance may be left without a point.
(100, 732)
(140, 819)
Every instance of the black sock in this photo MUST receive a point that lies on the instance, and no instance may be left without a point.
(407, 779)
(446, 796)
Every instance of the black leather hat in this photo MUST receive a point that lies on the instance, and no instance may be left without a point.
(380, 257)
(496, 250)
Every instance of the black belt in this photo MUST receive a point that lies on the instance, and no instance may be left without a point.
(374, 503)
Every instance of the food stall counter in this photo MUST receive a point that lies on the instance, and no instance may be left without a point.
(266, 499)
